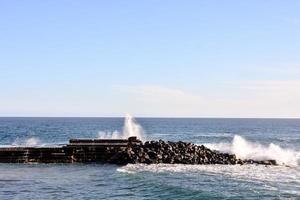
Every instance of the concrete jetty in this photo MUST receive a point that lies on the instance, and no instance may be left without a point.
(78, 150)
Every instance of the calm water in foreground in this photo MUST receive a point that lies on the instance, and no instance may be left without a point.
(248, 138)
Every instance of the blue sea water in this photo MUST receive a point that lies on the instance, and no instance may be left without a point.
(258, 138)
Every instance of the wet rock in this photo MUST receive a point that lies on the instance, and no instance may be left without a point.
(268, 162)
(152, 152)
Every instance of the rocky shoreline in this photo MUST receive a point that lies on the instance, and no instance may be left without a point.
(155, 152)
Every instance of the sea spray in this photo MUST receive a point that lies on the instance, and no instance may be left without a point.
(130, 128)
(245, 149)
(109, 135)
(30, 142)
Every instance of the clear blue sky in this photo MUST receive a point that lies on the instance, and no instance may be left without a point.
(150, 58)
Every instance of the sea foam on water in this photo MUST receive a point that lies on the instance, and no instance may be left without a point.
(245, 149)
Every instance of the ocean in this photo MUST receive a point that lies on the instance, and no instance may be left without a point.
(277, 139)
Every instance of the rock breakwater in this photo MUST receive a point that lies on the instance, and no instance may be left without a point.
(154, 152)
(122, 152)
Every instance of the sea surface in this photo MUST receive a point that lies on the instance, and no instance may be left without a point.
(248, 138)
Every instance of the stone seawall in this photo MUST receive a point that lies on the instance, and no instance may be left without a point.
(122, 152)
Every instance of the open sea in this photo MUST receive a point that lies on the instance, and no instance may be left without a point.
(248, 138)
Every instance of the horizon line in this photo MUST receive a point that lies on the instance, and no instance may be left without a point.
(162, 117)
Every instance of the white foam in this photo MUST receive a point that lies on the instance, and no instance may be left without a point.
(242, 172)
(30, 142)
(109, 135)
(131, 128)
(270, 177)
(245, 149)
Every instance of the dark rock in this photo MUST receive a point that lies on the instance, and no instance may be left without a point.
(152, 152)
(268, 162)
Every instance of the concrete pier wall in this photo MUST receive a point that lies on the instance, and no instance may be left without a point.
(78, 150)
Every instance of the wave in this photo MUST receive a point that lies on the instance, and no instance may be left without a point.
(250, 173)
(245, 149)
(253, 178)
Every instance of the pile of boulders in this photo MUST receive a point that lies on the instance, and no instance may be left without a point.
(154, 152)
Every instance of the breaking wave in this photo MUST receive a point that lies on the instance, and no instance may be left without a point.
(245, 149)
(257, 174)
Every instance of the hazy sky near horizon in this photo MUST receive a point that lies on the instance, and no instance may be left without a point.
(150, 58)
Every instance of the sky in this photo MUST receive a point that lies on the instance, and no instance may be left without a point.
(150, 58)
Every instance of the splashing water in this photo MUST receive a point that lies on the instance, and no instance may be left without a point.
(131, 128)
(244, 149)
(30, 142)
(109, 135)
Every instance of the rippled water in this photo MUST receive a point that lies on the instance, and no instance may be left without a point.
(94, 181)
